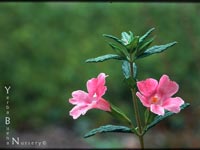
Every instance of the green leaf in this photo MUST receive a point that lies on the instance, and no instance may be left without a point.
(114, 38)
(142, 38)
(108, 128)
(126, 38)
(133, 44)
(148, 116)
(155, 49)
(144, 46)
(157, 119)
(118, 50)
(126, 69)
(116, 112)
(127, 73)
(104, 58)
(134, 70)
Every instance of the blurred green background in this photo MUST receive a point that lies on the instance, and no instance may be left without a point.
(43, 47)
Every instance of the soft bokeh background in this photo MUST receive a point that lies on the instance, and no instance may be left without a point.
(43, 47)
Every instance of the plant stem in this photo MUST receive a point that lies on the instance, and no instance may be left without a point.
(138, 121)
(141, 141)
(136, 110)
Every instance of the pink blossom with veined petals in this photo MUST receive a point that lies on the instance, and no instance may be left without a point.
(158, 96)
(93, 99)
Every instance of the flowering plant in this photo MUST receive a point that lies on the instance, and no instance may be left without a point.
(155, 96)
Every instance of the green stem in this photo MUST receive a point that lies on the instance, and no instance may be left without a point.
(136, 110)
(138, 120)
(141, 141)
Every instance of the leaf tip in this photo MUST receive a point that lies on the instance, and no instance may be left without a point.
(175, 42)
(87, 61)
(104, 35)
(86, 136)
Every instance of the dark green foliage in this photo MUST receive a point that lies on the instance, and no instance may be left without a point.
(108, 128)
(120, 51)
(154, 49)
(115, 39)
(127, 70)
(118, 114)
(142, 38)
(131, 44)
(103, 58)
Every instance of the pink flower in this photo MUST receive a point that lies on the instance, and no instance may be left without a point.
(93, 99)
(157, 96)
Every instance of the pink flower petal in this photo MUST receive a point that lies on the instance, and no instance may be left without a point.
(78, 110)
(101, 91)
(92, 86)
(157, 109)
(143, 99)
(173, 104)
(102, 104)
(79, 97)
(101, 78)
(147, 87)
(101, 84)
(85, 101)
(166, 87)
(96, 85)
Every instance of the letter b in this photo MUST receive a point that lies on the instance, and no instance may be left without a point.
(7, 120)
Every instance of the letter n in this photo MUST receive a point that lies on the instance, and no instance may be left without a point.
(15, 140)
